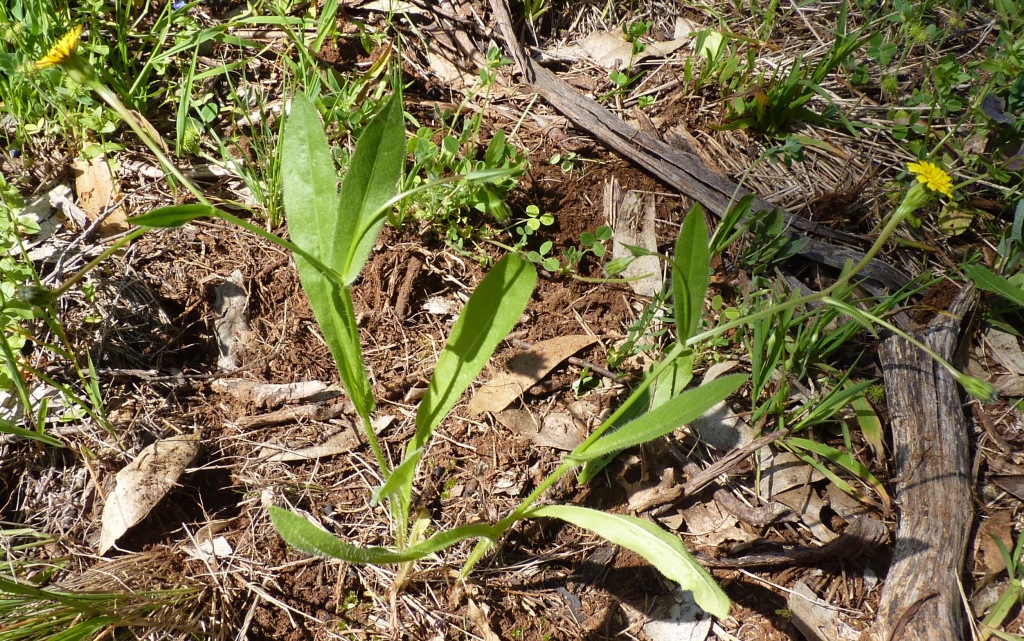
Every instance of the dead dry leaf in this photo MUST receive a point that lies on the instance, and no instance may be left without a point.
(94, 183)
(711, 526)
(787, 479)
(338, 443)
(525, 371)
(273, 395)
(231, 321)
(477, 615)
(1005, 348)
(999, 525)
(142, 483)
(611, 50)
(391, 6)
(558, 429)
(449, 72)
(815, 618)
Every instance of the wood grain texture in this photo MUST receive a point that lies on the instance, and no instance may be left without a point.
(921, 598)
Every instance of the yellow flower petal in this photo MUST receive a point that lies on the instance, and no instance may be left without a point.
(932, 176)
(61, 51)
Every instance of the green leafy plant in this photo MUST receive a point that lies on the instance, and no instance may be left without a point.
(568, 264)
(453, 148)
(779, 100)
(488, 316)
(332, 236)
(568, 162)
(624, 79)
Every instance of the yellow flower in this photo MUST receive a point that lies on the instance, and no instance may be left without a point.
(932, 176)
(62, 51)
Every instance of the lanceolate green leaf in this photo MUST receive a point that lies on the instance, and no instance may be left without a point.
(398, 486)
(996, 284)
(311, 208)
(690, 273)
(664, 550)
(488, 317)
(370, 181)
(309, 538)
(870, 425)
(637, 407)
(309, 181)
(7, 427)
(173, 216)
(401, 477)
(664, 419)
(842, 459)
(668, 385)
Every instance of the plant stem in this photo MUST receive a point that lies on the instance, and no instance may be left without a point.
(499, 528)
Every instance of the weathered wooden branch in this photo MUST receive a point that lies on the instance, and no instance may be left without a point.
(921, 598)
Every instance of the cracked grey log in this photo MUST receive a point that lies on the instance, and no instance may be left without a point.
(921, 598)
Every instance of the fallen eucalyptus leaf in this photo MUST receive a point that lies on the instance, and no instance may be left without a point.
(142, 483)
(525, 371)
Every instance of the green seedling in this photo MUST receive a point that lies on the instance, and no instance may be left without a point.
(624, 79)
(568, 264)
(777, 101)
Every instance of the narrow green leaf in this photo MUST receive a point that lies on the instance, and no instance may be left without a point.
(1000, 610)
(663, 420)
(311, 539)
(673, 381)
(995, 283)
(1005, 553)
(370, 181)
(821, 410)
(636, 408)
(489, 315)
(398, 485)
(173, 216)
(690, 273)
(7, 427)
(669, 384)
(732, 225)
(870, 425)
(664, 550)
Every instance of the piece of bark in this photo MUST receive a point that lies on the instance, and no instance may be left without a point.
(312, 412)
(683, 171)
(412, 270)
(231, 321)
(932, 486)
